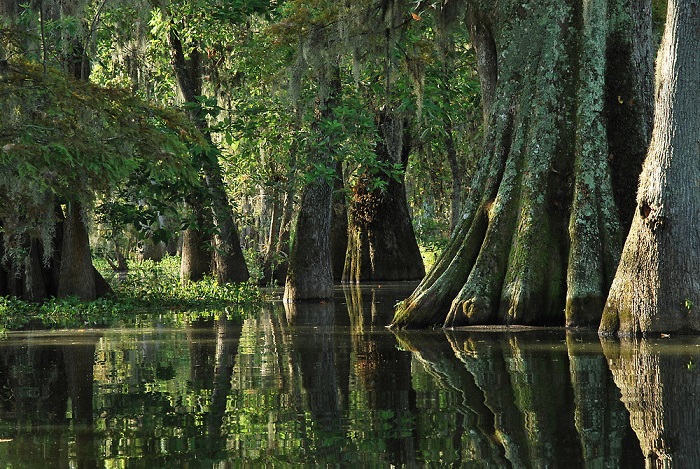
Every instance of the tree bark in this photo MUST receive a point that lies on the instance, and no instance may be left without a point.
(77, 277)
(195, 261)
(310, 274)
(540, 232)
(381, 243)
(656, 285)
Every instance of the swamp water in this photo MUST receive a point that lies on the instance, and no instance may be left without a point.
(328, 385)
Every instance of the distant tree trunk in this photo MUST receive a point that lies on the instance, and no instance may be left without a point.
(339, 225)
(228, 263)
(381, 243)
(540, 232)
(4, 283)
(195, 260)
(656, 286)
(310, 274)
(276, 259)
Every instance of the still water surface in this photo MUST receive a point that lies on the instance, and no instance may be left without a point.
(320, 385)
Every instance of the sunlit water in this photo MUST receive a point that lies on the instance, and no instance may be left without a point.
(327, 384)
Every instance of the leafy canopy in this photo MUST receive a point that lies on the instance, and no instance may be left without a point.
(64, 140)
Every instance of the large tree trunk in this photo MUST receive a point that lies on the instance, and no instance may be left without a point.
(381, 243)
(540, 232)
(656, 285)
(310, 274)
(77, 277)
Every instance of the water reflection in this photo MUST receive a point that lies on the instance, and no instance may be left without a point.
(329, 385)
(659, 381)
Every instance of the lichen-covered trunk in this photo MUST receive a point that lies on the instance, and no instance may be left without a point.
(540, 233)
(657, 283)
(381, 243)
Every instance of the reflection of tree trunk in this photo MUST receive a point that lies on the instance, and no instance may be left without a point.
(80, 362)
(438, 357)
(385, 374)
(543, 394)
(227, 335)
(202, 353)
(519, 389)
(319, 375)
(483, 357)
(659, 390)
(600, 417)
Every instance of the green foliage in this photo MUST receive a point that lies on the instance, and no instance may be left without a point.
(69, 140)
(150, 289)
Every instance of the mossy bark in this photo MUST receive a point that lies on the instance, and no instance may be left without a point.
(382, 245)
(656, 286)
(540, 234)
